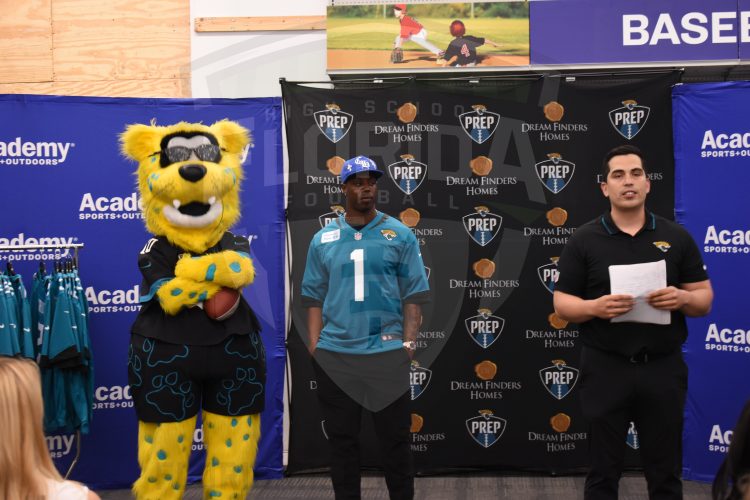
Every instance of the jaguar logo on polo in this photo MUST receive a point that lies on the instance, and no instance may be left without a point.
(336, 212)
(333, 122)
(555, 173)
(629, 119)
(479, 124)
(388, 234)
(408, 174)
(559, 379)
(632, 437)
(484, 328)
(419, 379)
(482, 225)
(548, 274)
(664, 246)
(486, 429)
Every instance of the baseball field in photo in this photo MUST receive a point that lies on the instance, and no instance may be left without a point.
(363, 37)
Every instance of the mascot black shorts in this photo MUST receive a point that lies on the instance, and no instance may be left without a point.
(170, 382)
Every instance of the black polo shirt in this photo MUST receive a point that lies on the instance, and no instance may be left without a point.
(191, 325)
(584, 272)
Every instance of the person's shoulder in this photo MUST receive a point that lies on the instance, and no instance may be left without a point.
(67, 490)
(592, 226)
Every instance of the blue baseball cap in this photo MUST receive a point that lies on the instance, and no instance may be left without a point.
(358, 164)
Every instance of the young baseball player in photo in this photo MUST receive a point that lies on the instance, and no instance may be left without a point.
(411, 31)
(462, 51)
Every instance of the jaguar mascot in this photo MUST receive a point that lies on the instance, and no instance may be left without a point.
(180, 359)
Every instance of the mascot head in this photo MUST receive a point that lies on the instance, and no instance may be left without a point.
(189, 178)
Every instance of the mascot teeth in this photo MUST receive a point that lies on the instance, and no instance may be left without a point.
(193, 214)
(212, 200)
(176, 203)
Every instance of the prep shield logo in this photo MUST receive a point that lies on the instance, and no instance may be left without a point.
(559, 379)
(336, 212)
(629, 119)
(419, 379)
(632, 438)
(484, 328)
(486, 429)
(482, 226)
(333, 122)
(408, 174)
(479, 124)
(548, 274)
(555, 173)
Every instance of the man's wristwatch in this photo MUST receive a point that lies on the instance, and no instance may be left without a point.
(410, 345)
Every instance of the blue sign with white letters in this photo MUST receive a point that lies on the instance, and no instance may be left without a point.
(712, 147)
(596, 31)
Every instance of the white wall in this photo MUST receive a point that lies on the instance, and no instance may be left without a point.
(249, 64)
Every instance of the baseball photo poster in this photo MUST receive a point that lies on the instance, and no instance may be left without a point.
(427, 36)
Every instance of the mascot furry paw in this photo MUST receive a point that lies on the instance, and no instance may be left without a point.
(179, 359)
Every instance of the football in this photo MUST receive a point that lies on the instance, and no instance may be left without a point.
(223, 304)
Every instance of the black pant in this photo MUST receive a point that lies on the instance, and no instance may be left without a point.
(346, 384)
(651, 392)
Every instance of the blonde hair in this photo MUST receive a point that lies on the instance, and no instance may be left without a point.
(24, 459)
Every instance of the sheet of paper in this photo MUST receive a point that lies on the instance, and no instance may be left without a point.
(638, 280)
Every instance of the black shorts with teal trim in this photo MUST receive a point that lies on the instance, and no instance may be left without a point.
(171, 382)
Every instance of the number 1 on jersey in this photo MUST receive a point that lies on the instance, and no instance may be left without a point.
(358, 256)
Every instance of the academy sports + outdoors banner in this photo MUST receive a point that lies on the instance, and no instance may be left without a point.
(65, 181)
(712, 147)
(492, 177)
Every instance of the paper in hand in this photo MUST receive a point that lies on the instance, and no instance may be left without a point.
(639, 280)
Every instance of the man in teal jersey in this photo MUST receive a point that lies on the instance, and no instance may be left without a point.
(364, 284)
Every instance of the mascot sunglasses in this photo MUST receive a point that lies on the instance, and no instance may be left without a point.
(204, 152)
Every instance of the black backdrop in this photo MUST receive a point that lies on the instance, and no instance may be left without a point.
(492, 176)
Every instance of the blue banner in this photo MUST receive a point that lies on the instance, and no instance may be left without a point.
(617, 31)
(64, 181)
(712, 149)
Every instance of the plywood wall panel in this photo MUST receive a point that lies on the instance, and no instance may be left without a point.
(25, 41)
(121, 39)
(104, 88)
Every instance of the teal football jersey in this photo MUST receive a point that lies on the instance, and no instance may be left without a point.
(361, 278)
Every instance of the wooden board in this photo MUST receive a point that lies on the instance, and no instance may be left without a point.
(267, 23)
(25, 41)
(104, 88)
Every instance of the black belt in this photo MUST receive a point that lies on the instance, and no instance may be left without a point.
(643, 357)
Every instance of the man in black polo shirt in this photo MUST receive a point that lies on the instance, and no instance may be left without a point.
(631, 371)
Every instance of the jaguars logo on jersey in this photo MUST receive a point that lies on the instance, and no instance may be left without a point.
(388, 234)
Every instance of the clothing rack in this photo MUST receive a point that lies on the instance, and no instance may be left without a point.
(76, 247)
